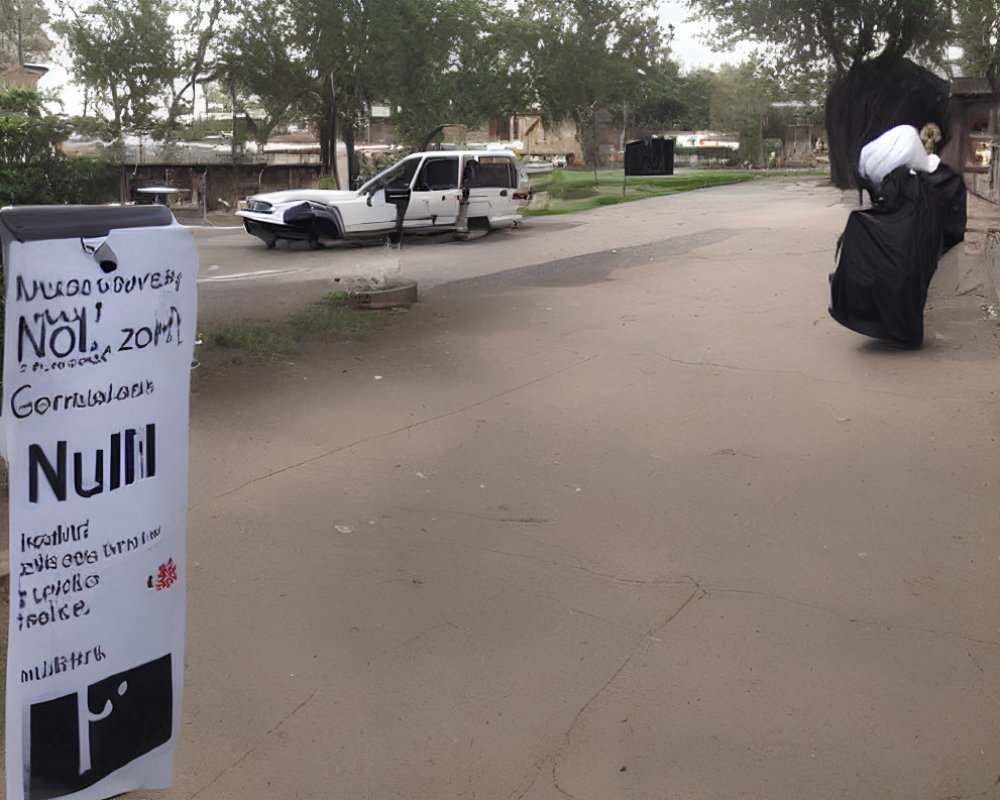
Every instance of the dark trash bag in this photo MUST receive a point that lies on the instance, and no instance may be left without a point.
(947, 192)
(888, 253)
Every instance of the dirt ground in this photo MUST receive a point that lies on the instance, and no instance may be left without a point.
(653, 526)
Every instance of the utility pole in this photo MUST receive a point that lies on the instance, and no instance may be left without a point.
(624, 165)
(760, 137)
(20, 43)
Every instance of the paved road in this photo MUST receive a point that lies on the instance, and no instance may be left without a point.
(619, 514)
(239, 277)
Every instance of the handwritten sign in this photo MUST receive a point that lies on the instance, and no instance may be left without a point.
(100, 309)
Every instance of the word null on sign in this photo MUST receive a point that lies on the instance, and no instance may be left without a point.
(130, 457)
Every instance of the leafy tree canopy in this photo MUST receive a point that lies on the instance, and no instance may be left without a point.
(33, 169)
(259, 68)
(590, 55)
(22, 35)
(141, 67)
(817, 35)
(122, 51)
(326, 62)
(978, 34)
(194, 46)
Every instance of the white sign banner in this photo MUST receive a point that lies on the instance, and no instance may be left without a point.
(98, 341)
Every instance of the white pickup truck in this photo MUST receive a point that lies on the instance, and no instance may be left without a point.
(426, 192)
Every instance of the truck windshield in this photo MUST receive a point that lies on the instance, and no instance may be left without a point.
(398, 176)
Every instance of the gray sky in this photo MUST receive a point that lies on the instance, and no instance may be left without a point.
(687, 47)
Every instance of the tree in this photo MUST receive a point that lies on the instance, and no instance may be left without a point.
(695, 90)
(33, 168)
(978, 34)
(467, 65)
(489, 75)
(22, 35)
(261, 69)
(589, 56)
(338, 42)
(408, 53)
(825, 35)
(123, 52)
(193, 59)
(740, 100)
(670, 99)
(136, 64)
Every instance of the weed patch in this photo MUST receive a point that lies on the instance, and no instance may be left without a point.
(334, 316)
(330, 318)
(258, 340)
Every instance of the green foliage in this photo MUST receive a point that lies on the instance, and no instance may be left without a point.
(672, 100)
(324, 62)
(140, 61)
(193, 57)
(978, 34)
(256, 339)
(811, 35)
(33, 169)
(586, 56)
(373, 165)
(368, 167)
(261, 70)
(433, 61)
(90, 128)
(22, 32)
(123, 51)
(87, 181)
(464, 64)
(334, 316)
(329, 318)
(741, 100)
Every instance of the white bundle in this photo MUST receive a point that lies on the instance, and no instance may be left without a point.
(897, 147)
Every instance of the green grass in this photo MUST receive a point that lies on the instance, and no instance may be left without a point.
(258, 340)
(325, 319)
(333, 315)
(570, 190)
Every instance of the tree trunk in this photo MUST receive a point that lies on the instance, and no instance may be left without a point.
(332, 152)
(236, 188)
(595, 150)
(352, 164)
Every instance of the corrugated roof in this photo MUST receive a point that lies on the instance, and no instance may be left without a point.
(971, 87)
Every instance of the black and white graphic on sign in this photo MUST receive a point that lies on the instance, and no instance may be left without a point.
(81, 738)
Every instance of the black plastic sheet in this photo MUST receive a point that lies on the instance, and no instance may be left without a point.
(888, 254)
(873, 97)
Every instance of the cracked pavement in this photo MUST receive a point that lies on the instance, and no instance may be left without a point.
(654, 528)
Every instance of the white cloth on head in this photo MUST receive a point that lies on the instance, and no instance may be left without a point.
(897, 147)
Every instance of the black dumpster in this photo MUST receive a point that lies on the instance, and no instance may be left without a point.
(652, 156)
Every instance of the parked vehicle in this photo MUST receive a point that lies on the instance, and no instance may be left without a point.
(426, 192)
(540, 165)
